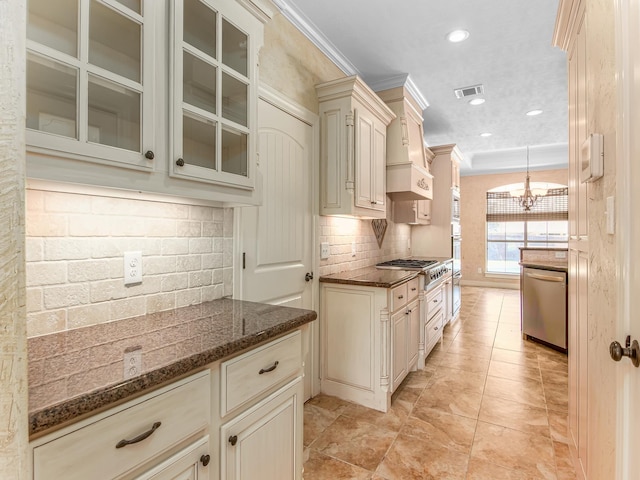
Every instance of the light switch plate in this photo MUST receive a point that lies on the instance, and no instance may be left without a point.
(324, 250)
(132, 268)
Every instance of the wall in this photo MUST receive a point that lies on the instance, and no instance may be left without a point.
(13, 337)
(75, 268)
(601, 118)
(473, 213)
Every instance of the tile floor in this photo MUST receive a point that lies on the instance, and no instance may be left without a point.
(488, 405)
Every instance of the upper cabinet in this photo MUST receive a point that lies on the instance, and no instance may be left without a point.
(408, 176)
(165, 90)
(353, 149)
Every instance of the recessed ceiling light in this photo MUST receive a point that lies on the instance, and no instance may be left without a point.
(533, 113)
(485, 134)
(477, 101)
(457, 36)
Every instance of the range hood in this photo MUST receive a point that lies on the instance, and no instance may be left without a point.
(408, 176)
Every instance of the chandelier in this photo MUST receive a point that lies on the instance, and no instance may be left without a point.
(527, 198)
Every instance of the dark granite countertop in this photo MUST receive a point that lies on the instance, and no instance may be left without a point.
(79, 371)
(370, 277)
(560, 266)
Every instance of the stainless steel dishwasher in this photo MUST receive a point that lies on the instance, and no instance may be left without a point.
(544, 306)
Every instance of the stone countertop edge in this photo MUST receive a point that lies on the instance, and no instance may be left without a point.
(62, 413)
(370, 277)
(556, 267)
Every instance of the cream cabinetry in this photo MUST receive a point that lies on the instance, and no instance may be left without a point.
(188, 464)
(413, 212)
(174, 110)
(571, 35)
(434, 318)
(370, 340)
(134, 437)
(353, 135)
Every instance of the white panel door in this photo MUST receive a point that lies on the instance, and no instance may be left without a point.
(628, 231)
(277, 237)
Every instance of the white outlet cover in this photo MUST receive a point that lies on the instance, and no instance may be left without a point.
(132, 362)
(132, 267)
(324, 250)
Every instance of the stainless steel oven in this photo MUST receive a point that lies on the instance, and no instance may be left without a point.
(456, 246)
(455, 305)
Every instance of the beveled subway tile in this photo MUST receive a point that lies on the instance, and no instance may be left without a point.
(456, 401)
(324, 467)
(467, 363)
(451, 431)
(483, 470)
(410, 458)
(527, 391)
(515, 356)
(316, 420)
(514, 415)
(513, 371)
(393, 419)
(527, 453)
(355, 441)
(559, 426)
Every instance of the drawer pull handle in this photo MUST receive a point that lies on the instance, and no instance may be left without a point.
(413, 289)
(269, 369)
(205, 459)
(233, 439)
(435, 301)
(400, 297)
(139, 438)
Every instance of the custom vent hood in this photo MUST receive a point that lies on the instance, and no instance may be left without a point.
(408, 176)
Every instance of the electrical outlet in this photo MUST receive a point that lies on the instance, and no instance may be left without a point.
(479, 269)
(132, 362)
(324, 250)
(353, 249)
(561, 254)
(132, 268)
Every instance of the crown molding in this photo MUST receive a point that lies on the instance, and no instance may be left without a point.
(309, 30)
(402, 80)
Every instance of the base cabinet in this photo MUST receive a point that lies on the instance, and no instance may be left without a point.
(192, 463)
(262, 442)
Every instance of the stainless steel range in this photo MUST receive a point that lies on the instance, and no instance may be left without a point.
(434, 271)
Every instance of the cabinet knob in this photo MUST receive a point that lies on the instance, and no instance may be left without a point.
(400, 297)
(233, 439)
(149, 155)
(205, 459)
(180, 162)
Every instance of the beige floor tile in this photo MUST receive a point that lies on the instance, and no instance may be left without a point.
(330, 403)
(316, 420)
(515, 356)
(474, 339)
(559, 377)
(323, 467)
(557, 397)
(513, 371)
(355, 441)
(410, 458)
(552, 362)
(393, 419)
(558, 424)
(514, 415)
(470, 349)
(458, 380)
(467, 363)
(527, 453)
(451, 431)
(458, 402)
(482, 470)
(529, 391)
(564, 464)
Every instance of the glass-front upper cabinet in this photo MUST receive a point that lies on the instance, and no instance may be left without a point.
(214, 91)
(90, 67)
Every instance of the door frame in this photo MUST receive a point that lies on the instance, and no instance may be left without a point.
(627, 248)
(291, 107)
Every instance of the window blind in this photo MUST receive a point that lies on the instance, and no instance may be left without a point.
(502, 207)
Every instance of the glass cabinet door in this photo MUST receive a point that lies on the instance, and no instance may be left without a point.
(212, 94)
(88, 69)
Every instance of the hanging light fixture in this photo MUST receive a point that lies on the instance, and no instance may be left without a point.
(527, 198)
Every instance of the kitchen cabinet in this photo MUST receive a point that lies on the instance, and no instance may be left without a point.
(435, 239)
(413, 212)
(434, 319)
(189, 464)
(370, 340)
(153, 109)
(571, 36)
(353, 133)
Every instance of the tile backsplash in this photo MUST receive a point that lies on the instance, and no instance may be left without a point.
(75, 267)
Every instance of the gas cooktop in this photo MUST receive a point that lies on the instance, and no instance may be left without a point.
(406, 264)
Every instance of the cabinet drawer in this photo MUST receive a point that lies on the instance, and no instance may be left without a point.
(249, 375)
(433, 329)
(91, 451)
(413, 288)
(434, 302)
(399, 297)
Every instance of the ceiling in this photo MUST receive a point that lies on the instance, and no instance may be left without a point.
(508, 51)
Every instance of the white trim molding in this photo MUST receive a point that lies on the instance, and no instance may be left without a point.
(402, 80)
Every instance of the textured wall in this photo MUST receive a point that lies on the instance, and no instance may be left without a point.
(75, 267)
(473, 213)
(601, 118)
(13, 338)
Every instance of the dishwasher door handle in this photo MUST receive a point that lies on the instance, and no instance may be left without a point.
(546, 278)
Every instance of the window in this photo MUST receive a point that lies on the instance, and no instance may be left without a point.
(509, 227)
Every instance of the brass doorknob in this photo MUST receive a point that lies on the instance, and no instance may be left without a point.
(631, 350)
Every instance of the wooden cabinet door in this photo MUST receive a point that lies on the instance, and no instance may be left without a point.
(413, 332)
(423, 212)
(370, 161)
(195, 462)
(265, 442)
(399, 322)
